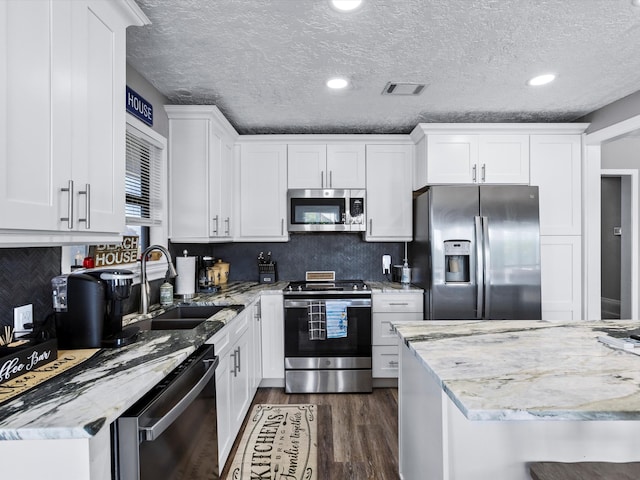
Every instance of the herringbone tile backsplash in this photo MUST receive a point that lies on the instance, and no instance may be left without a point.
(25, 277)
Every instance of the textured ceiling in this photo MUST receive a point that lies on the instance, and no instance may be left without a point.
(264, 62)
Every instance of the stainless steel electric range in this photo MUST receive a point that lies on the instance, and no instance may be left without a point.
(327, 339)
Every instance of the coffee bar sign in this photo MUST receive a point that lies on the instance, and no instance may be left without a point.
(116, 254)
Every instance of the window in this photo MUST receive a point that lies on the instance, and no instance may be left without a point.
(142, 185)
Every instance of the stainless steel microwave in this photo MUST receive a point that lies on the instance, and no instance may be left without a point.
(326, 210)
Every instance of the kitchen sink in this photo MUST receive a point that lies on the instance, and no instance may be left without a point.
(191, 311)
(183, 317)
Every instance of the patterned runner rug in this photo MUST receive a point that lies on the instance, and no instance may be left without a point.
(279, 442)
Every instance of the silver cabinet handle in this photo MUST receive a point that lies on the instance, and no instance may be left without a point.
(474, 171)
(399, 303)
(69, 217)
(154, 431)
(330, 178)
(235, 363)
(228, 222)
(371, 226)
(239, 361)
(484, 170)
(322, 179)
(215, 219)
(393, 363)
(87, 203)
(282, 226)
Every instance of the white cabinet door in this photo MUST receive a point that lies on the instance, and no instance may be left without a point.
(240, 377)
(225, 187)
(273, 338)
(389, 203)
(452, 159)
(503, 159)
(346, 166)
(189, 178)
(560, 258)
(307, 166)
(62, 132)
(226, 436)
(556, 170)
(263, 192)
(30, 118)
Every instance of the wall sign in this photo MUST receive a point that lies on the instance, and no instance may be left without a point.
(139, 107)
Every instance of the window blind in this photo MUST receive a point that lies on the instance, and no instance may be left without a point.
(142, 182)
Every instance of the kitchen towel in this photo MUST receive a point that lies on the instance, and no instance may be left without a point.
(317, 321)
(337, 321)
(186, 279)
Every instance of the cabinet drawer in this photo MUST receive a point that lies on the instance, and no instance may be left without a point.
(394, 302)
(385, 362)
(382, 332)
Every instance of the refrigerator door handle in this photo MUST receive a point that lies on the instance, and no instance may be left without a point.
(487, 269)
(479, 267)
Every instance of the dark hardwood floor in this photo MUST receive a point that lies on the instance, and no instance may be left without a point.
(357, 433)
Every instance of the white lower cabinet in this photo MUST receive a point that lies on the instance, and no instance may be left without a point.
(560, 264)
(272, 324)
(387, 308)
(235, 388)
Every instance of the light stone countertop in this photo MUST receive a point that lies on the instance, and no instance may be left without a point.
(530, 370)
(77, 404)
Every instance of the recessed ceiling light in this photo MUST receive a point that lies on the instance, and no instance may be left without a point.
(345, 5)
(541, 80)
(337, 83)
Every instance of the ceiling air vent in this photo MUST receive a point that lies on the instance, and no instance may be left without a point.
(399, 88)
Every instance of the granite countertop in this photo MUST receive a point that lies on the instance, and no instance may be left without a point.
(77, 404)
(392, 287)
(530, 370)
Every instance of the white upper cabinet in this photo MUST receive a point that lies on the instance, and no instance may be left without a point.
(556, 170)
(389, 204)
(200, 174)
(337, 166)
(262, 193)
(62, 120)
(477, 159)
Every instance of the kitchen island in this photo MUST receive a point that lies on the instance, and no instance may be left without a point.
(60, 429)
(482, 399)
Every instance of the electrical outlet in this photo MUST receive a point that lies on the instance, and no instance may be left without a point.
(22, 316)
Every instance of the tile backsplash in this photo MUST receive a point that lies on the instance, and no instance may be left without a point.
(25, 277)
(345, 253)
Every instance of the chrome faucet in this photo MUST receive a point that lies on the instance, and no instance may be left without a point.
(144, 282)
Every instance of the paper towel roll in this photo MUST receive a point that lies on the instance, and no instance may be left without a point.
(186, 279)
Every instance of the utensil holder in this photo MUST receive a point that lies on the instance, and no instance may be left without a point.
(267, 272)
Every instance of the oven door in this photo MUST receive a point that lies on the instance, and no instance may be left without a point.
(307, 337)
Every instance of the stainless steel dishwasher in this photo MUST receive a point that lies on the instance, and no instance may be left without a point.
(171, 433)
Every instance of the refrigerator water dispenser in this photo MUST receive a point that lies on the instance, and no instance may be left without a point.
(457, 253)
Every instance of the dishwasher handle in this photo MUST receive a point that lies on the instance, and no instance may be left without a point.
(152, 432)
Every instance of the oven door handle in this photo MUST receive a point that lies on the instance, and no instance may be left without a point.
(152, 432)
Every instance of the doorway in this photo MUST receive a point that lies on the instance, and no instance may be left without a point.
(618, 235)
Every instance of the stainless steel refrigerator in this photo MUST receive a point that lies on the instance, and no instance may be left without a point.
(476, 252)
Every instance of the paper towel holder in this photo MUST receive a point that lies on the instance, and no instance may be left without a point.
(185, 288)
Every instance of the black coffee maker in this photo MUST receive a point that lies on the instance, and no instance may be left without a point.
(89, 307)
